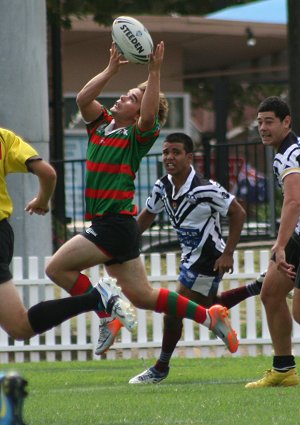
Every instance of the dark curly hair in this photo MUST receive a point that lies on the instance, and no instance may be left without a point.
(275, 104)
(181, 138)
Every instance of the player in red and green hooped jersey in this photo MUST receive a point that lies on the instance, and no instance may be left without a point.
(113, 158)
(118, 139)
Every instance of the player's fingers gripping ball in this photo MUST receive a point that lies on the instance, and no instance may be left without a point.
(132, 39)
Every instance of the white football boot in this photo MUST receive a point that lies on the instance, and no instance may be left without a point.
(114, 304)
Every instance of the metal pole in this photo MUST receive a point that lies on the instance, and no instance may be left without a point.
(24, 109)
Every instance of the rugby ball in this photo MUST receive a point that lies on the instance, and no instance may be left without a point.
(132, 39)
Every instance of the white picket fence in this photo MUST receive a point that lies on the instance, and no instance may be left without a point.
(77, 338)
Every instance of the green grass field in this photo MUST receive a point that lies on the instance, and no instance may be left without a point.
(198, 391)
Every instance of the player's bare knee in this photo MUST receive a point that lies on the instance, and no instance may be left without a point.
(264, 298)
(20, 333)
(52, 272)
(267, 297)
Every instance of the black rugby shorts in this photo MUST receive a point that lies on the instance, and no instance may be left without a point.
(117, 235)
(292, 255)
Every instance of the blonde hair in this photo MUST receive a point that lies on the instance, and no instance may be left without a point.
(163, 107)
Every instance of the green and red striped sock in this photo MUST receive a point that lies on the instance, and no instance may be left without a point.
(176, 305)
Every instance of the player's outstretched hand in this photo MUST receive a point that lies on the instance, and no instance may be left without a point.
(116, 60)
(157, 57)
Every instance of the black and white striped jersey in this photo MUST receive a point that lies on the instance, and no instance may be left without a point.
(194, 212)
(287, 161)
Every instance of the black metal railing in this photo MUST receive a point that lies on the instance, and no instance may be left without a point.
(245, 169)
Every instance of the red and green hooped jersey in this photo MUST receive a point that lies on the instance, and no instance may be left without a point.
(113, 158)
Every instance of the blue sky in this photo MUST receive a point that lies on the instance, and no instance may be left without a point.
(270, 11)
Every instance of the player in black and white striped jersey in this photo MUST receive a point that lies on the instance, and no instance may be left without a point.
(194, 206)
(283, 274)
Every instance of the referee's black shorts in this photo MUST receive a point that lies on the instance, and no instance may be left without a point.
(117, 235)
(6, 250)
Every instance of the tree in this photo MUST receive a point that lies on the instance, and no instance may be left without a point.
(104, 10)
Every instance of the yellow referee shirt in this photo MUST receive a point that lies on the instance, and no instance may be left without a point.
(14, 152)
